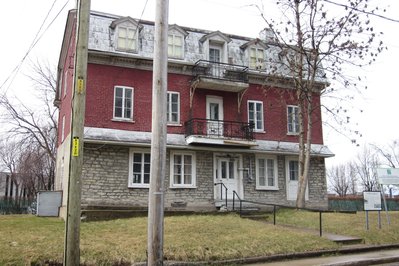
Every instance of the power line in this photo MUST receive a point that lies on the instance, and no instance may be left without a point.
(35, 40)
(363, 11)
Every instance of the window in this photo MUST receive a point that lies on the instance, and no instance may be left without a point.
(292, 119)
(182, 169)
(65, 83)
(255, 114)
(256, 58)
(139, 168)
(215, 54)
(293, 170)
(175, 46)
(173, 108)
(127, 38)
(123, 103)
(266, 172)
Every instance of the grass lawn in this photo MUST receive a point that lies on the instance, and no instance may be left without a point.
(28, 239)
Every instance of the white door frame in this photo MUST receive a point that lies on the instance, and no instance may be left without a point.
(238, 178)
(214, 128)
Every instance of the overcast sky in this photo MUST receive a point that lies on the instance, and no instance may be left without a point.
(22, 21)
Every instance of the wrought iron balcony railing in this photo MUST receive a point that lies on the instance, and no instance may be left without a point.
(219, 129)
(219, 70)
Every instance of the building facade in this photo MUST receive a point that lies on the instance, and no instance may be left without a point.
(231, 118)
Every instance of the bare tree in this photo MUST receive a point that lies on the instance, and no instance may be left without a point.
(342, 179)
(35, 129)
(389, 153)
(316, 44)
(366, 163)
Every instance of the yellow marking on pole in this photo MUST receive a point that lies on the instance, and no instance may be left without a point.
(75, 147)
(80, 85)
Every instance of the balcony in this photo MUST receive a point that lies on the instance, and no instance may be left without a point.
(207, 131)
(220, 76)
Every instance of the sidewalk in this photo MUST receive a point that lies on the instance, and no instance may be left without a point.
(362, 258)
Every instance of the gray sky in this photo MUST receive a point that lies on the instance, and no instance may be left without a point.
(21, 21)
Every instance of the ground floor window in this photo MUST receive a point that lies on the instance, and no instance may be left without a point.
(266, 172)
(182, 169)
(139, 168)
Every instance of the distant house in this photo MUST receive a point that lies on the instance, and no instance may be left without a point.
(231, 120)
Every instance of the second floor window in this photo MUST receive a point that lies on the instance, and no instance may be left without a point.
(123, 103)
(292, 119)
(256, 58)
(255, 115)
(173, 108)
(127, 39)
(175, 46)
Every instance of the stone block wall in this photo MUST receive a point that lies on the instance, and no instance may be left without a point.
(106, 170)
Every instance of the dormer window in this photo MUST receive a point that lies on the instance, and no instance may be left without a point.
(255, 53)
(127, 39)
(215, 46)
(126, 34)
(256, 58)
(176, 38)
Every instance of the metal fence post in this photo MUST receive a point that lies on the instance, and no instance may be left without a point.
(321, 231)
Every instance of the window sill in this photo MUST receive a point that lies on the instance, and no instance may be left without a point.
(174, 125)
(260, 131)
(178, 187)
(267, 188)
(122, 120)
(292, 133)
(139, 186)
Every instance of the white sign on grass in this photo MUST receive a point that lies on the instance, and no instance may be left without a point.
(388, 176)
(372, 200)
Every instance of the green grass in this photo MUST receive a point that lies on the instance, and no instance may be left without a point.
(28, 239)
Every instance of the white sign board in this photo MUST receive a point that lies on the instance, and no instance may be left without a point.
(372, 200)
(388, 176)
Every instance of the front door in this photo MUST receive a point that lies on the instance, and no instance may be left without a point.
(214, 116)
(228, 174)
(292, 180)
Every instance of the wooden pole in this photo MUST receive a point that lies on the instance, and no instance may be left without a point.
(72, 224)
(158, 140)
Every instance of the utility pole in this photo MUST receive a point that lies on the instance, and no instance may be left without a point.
(158, 139)
(72, 223)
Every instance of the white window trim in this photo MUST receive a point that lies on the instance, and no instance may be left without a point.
(130, 179)
(64, 92)
(178, 109)
(114, 118)
(288, 128)
(261, 130)
(136, 38)
(266, 157)
(261, 65)
(193, 170)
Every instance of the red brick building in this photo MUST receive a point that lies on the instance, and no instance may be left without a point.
(231, 118)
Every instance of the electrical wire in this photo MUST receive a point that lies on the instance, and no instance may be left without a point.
(36, 39)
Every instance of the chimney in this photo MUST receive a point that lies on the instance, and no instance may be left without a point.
(267, 35)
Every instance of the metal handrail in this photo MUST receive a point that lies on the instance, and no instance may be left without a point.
(220, 128)
(239, 199)
(219, 70)
(288, 207)
(221, 191)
